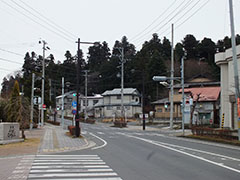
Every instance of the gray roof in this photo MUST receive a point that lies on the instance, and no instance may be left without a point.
(161, 101)
(117, 91)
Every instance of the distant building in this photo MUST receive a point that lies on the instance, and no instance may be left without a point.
(228, 103)
(69, 97)
(207, 107)
(111, 105)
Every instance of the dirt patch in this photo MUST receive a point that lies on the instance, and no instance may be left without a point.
(28, 146)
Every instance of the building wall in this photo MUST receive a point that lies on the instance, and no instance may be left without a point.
(224, 61)
(162, 112)
(117, 99)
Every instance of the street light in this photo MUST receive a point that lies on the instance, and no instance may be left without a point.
(77, 128)
(163, 79)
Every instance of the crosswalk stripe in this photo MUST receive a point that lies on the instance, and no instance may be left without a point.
(68, 167)
(51, 175)
(101, 178)
(66, 163)
(67, 160)
(70, 170)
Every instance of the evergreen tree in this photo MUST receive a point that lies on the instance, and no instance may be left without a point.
(190, 45)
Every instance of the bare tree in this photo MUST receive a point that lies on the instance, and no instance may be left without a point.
(193, 108)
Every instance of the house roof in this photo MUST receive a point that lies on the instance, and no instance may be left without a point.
(197, 84)
(161, 101)
(117, 91)
(206, 93)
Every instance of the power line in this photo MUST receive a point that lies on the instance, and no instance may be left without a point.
(132, 39)
(42, 19)
(10, 61)
(169, 15)
(74, 36)
(182, 17)
(37, 22)
(193, 14)
(11, 52)
(186, 5)
(175, 22)
(5, 69)
(179, 25)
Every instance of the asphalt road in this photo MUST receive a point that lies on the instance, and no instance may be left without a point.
(154, 155)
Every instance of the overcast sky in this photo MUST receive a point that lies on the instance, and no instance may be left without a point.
(61, 22)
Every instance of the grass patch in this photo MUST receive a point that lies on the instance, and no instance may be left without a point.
(70, 135)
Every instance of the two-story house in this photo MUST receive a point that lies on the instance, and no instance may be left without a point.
(69, 103)
(111, 105)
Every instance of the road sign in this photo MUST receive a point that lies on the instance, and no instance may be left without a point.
(74, 111)
(44, 106)
(74, 104)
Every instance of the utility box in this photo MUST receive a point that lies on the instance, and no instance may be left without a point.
(9, 131)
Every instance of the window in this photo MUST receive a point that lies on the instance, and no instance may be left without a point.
(118, 107)
(118, 97)
(109, 107)
(159, 109)
(85, 103)
(127, 107)
(136, 100)
(95, 102)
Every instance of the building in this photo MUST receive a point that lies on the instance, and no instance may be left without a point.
(207, 106)
(111, 105)
(228, 104)
(206, 100)
(69, 99)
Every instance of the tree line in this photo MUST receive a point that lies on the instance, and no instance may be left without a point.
(104, 65)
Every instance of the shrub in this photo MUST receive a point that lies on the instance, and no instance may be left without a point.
(53, 122)
(120, 124)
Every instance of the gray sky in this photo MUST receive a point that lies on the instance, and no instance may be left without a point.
(24, 23)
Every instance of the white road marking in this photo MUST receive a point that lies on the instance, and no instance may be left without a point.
(98, 147)
(164, 145)
(70, 167)
(63, 167)
(71, 175)
(66, 163)
(71, 170)
(67, 160)
(100, 132)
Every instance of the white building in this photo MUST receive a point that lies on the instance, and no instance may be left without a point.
(111, 105)
(228, 105)
(70, 97)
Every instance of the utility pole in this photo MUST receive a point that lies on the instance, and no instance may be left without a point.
(62, 102)
(50, 92)
(183, 98)
(235, 64)
(143, 91)
(172, 75)
(77, 128)
(86, 104)
(121, 57)
(43, 79)
(122, 82)
(32, 96)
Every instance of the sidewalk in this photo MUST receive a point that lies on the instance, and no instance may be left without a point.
(49, 139)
